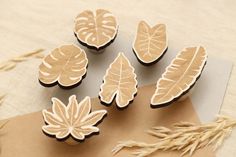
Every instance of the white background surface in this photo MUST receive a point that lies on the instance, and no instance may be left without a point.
(31, 24)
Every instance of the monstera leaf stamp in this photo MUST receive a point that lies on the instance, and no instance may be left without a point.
(150, 43)
(71, 123)
(65, 66)
(119, 83)
(95, 30)
(180, 76)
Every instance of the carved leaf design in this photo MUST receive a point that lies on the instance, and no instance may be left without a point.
(120, 82)
(150, 43)
(180, 75)
(95, 30)
(74, 119)
(65, 65)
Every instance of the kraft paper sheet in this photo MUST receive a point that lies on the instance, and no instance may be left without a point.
(22, 136)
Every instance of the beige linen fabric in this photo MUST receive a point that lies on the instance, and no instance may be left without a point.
(27, 25)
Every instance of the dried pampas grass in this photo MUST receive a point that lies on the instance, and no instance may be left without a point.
(11, 63)
(185, 137)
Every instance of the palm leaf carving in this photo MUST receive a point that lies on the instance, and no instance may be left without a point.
(150, 43)
(65, 65)
(120, 82)
(74, 119)
(180, 75)
(95, 30)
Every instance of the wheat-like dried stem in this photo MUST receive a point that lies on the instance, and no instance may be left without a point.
(3, 124)
(11, 63)
(185, 137)
(2, 97)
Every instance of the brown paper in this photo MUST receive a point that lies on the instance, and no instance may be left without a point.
(22, 136)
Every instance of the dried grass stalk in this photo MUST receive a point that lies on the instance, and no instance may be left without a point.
(2, 97)
(185, 137)
(3, 124)
(11, 63)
